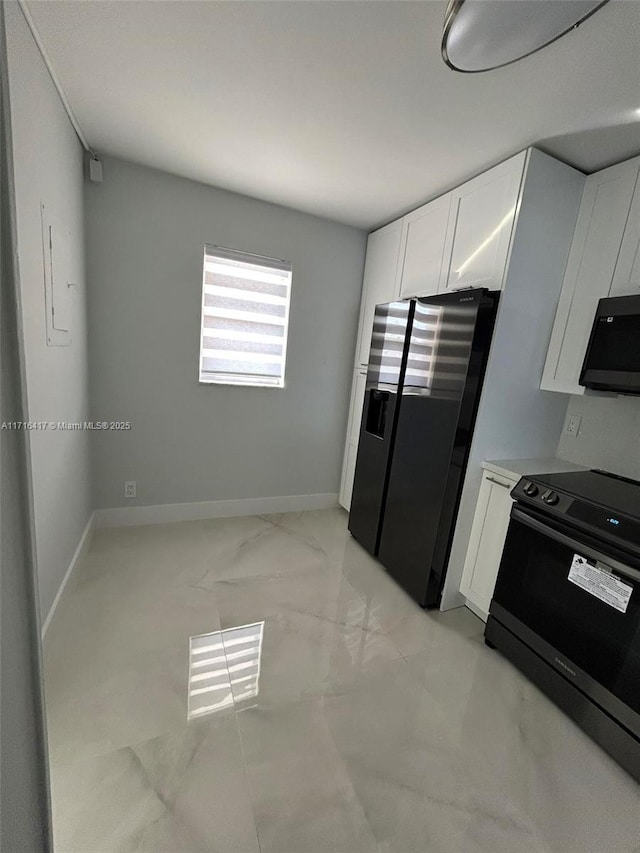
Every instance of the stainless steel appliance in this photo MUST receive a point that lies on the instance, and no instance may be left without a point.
(566, 607)
(426, 368)
(612, 360)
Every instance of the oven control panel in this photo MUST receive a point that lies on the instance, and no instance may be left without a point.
(541, 496)
(615, 526)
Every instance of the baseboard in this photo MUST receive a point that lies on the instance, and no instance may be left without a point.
(128, 516)
(81, 550)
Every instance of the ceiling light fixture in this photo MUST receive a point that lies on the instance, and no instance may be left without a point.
(480, 35)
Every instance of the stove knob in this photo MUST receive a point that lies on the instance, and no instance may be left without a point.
(531, 489)
(551, 498)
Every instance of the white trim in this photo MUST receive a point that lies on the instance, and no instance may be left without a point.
(54, 77)
(127, 516)
(81, 550)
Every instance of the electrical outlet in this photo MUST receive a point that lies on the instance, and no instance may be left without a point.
(573, 426)
(130, 489)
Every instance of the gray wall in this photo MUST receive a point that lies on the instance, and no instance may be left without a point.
(609, 436)
(48, 168)
(145, 236)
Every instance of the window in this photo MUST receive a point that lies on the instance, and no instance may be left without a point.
(245, 315)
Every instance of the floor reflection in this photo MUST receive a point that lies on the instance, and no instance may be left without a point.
(224, 669)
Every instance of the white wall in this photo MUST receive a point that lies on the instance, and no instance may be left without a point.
(48, 168)
(190, 442)
(609, 436)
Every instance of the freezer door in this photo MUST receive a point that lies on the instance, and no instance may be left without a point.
(446, 357)
(388, 339)
(386, 366)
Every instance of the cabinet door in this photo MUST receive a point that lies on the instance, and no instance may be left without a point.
(424, 233)
(380, 281)
(481, 221)
(626, 277)
(486, 542)
(592, 260)
(348, 473)
(353, 433)
(357, 404)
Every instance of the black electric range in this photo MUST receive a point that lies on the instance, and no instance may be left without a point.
(566, 606)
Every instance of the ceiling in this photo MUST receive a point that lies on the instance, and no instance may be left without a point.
(341, 109)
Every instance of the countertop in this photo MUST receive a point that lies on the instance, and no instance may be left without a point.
(516, 468)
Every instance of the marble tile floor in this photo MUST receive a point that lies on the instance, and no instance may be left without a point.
(343, 719)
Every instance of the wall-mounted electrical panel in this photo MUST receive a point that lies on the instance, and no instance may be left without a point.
(58, 284)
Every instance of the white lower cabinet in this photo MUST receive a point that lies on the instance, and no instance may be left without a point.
(353, 434)
(348, 473)
(486, 542)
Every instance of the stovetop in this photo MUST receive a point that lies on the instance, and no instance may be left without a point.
(610, 491)
(597, 502)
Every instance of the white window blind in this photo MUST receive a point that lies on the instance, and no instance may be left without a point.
(245, 315)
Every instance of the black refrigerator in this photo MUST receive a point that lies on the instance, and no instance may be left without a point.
(425, 373)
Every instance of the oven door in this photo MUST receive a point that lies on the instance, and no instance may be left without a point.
(576, 606)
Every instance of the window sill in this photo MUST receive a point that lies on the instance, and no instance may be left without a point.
(278, 386)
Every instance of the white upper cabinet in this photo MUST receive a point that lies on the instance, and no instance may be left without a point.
(480, 224)
(626, 277)
(594, 257)
(380, 281)
(424, 234)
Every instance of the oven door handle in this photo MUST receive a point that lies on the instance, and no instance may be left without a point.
(602, 560)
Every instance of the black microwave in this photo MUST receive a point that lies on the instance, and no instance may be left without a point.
(612, 362)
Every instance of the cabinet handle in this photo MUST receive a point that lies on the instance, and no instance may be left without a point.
(498, 483)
